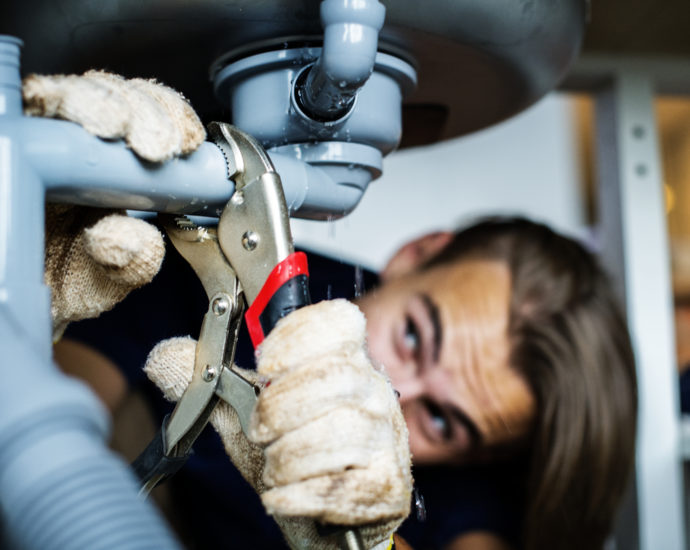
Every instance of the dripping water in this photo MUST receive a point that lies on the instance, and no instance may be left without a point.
(359, 281)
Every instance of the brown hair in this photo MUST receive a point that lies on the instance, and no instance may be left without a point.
(569, 339)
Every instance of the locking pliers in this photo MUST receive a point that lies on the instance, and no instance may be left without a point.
(248, 261)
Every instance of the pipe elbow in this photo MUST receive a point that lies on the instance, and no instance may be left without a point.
(351, 29)
(348, 58)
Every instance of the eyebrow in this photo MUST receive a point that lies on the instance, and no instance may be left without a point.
(472, 429)
(435, 317)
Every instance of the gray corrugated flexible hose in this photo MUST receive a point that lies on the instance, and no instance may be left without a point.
(60, 487)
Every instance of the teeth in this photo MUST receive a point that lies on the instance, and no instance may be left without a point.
(184, 223)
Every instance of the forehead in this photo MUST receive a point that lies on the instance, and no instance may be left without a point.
(469, 287)
(472, 298)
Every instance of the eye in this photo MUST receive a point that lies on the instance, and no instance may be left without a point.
(411, 338)
(439, 420)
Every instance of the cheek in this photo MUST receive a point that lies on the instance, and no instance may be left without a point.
(514, 404)
(377, 342)
(490, 392)
(505, 406)
(424, 452)
(414, 429)
(379, 332)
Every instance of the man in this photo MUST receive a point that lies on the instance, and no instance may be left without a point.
(507, 349)
(509, 342)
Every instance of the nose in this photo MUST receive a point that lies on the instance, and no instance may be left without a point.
(410, 389)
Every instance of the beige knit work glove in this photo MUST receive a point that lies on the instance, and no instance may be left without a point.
(327, 440)
(95, 257)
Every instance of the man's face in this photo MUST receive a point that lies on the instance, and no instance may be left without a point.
(442, 336)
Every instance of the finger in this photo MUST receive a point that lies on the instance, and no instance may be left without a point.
(170, 366)
(343, 439)
(327, 328)
(129, 250)
(314, 389)
(78, 285)
(149, 133)
(348, 498)
(245, 455)
(303, 533)
(79, 100)
(178, 110)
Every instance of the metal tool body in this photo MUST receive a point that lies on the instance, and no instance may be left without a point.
(213, 375)
(234, 263)
(248, 260)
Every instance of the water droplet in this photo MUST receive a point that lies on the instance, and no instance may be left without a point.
(329, 292)
(359, 281)
(419, 506)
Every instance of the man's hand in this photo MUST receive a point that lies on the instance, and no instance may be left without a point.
(328, 441)
(155, 121)
(94, 257)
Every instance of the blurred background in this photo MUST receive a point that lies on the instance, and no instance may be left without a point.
(547, 163)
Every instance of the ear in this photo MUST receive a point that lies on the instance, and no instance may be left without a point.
(682, 327)
(415, 253)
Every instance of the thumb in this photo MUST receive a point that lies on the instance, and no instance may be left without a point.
(129, 250)
(170, 366)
